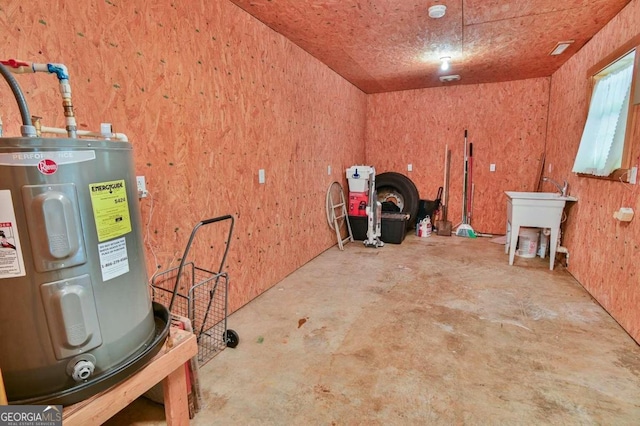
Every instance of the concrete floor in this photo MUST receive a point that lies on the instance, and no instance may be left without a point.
(436, 330)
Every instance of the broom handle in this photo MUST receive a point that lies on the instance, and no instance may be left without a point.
(473, 188)
(464, 184)
(470, 183)
(446, 190)
(448, 181)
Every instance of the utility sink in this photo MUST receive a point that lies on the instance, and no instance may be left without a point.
(539, 196)
(538, 210)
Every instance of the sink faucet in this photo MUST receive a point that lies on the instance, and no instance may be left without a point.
(564, 189)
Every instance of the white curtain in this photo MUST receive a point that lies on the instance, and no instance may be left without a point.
(600, 151)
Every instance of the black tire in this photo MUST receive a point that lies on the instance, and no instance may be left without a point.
(398, 188)
(231, 338)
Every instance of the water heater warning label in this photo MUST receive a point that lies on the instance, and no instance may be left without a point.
(113, 258)
(110, 209)
(11, 262)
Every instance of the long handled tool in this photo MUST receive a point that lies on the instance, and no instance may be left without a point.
(465, 230)
(444, 225)
(470, 184)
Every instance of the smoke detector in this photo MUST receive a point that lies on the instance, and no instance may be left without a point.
(437, 11)
(449, 78)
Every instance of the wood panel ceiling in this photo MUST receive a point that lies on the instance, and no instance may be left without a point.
(390, 45)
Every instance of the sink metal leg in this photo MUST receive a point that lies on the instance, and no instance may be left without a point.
(513, 241)
(554, 246)
(506, 240)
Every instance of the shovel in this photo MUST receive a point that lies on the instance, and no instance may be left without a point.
(444, 225)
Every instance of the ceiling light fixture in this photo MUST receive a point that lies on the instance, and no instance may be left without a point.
(561, 47)
(449, 78)
(437, 11)
(445, 63)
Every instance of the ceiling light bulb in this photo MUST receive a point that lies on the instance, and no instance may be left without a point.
(445, 63)
(561, 47)
(437, 11)
(449, 78)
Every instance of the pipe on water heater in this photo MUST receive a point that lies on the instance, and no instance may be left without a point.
(27, 128)
(61, 71)
(86, 133)
(65, 90)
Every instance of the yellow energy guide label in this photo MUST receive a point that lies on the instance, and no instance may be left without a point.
(110, 209)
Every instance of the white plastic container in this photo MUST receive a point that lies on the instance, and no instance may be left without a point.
(528, 242)
(425, 227)
(543, 245)
(358, 177)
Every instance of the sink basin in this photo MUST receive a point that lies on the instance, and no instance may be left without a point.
(534, 209)
(539, 196)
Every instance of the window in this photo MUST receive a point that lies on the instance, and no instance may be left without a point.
(606, 140)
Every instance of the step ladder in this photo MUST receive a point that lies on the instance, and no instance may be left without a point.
(337, 214)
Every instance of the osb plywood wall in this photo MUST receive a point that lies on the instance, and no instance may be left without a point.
(506, 123)
(208, 96)
(604, 253)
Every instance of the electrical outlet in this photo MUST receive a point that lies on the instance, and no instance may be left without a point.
(261, 176)
(409, 167)
(142, 187)
(625, 214)
(329, 170)
(633, 175)
(492, 167)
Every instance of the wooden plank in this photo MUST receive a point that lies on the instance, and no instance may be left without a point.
(176, 406)
(538, 185)
(3, 392)
(169, 363)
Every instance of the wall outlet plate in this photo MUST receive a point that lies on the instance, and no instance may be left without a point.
(625, 214)
(261, 176)
(633, 175)
(142, 187)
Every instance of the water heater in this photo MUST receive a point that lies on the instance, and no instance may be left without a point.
(75, 310)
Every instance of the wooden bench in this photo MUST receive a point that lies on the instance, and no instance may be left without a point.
(166, 367)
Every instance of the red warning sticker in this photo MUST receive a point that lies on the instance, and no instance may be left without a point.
(47, 166)
(11, 261)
